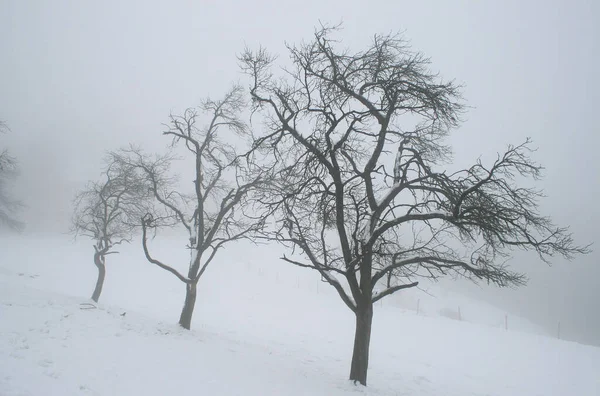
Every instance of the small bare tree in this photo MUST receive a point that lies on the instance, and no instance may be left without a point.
(8, 205)
(362, 195)
(108, 212)
(222, 182)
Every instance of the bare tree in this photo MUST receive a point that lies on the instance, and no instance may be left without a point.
(362, 195)
(108, 212)
(222, 182)
(8, 205)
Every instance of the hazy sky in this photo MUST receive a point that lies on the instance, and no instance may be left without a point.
(80, 77)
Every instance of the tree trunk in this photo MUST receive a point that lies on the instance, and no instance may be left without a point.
(185, 320)
(362, 340)
(99, 261)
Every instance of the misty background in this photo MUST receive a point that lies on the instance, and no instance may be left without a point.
(79, 78)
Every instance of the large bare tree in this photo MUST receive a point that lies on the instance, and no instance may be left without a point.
(8, 205)
(222, 180)
(363, 196)
(108, 212)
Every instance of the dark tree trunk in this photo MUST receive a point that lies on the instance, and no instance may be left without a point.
(362, 340)
(185, 320)
(99, 261)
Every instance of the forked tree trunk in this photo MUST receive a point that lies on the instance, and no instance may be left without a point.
(362, 340)
(99, 261)
(185, 320)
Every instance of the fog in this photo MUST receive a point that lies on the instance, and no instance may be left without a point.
(79, 78)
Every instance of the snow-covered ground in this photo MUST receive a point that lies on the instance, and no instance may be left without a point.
(260, 327)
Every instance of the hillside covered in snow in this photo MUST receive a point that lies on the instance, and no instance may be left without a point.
(261, 327)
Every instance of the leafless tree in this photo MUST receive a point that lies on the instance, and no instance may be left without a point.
(8, 205)
(108, 212)
(362, 195)
(222, 181)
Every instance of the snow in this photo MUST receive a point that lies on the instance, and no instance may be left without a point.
(261, 327)
(193, 256)
(194, 230)
(392, 190)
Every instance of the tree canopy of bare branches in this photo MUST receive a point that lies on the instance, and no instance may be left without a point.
(222, 181)
(8, 205)
(362, 195)
(108, 212)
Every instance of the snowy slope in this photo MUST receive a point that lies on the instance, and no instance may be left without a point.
(260, 328)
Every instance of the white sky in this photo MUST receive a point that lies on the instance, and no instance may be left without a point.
(80, 77)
